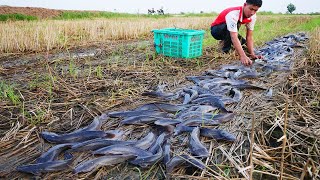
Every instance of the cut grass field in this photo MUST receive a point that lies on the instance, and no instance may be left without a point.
(44, 35)
(61, 93)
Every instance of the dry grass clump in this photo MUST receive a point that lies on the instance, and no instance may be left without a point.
(287, 138)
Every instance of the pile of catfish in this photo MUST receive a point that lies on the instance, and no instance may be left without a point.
(201, 104)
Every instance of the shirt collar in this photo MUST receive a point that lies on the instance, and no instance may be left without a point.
(241, 16)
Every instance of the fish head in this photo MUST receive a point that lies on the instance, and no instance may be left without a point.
(28, 169)
(227, 136)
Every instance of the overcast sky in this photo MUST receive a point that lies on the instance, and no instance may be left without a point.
(170, 6)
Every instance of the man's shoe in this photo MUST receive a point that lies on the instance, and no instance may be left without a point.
(223, 47)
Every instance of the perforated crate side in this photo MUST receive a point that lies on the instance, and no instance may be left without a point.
(179, 43)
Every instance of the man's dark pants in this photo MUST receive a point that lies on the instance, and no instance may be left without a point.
(220, 32)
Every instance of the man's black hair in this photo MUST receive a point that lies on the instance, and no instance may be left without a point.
(255, 2)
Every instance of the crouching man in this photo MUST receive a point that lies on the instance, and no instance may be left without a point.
(226, 26)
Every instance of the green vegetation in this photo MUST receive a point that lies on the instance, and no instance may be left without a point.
(17, 17)
(7, 92)
(266, 13)
(99, 72)
(36, 117)
(213, 14)
(72, 15)
(42, 81)
(73, 70)
(90, 15)
(310, 25)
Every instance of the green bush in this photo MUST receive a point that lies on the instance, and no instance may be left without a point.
(17, 17)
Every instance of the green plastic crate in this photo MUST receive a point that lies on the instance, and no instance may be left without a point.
(179, 43)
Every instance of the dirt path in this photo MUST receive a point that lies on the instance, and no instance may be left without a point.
(41, 13)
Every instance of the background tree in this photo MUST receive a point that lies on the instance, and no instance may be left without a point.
(291, 8)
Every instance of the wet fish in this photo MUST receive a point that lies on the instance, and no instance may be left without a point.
(95, 124)
(248, 86)
(125, 114)
(201, 77)
(195, 114)
(221, 73)
(213, 81)
(156, 145)
(166, 128)
(212, 101)
(230, 68)
(212, 95)
(74, 137)
(122, 149)
(148, 160)
(157, 94)
(205, 108)
(158, 106)
(220, 91)
(164, 122)
(195, 145)
(45, 167)
(146, 141)
(98, 143)
(266, 70)
(181, 129)
(101, 161)
(217, 134)
(179, 160)
(53, 153)
(140, 119)
(216, 120)
(193, 93)
(248, 74)
(201, 90)
(187, 98)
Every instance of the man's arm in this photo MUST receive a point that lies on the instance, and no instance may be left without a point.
(237, 45)
(250, 43)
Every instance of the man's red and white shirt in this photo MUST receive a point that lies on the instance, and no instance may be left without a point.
(231, 16)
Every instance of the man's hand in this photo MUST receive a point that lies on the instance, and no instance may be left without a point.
(253, 56)
(245, 60)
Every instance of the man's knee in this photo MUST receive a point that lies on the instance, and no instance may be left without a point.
(219, 31)
(214, 33)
